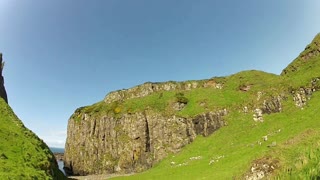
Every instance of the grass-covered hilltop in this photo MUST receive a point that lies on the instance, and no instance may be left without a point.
(22, 154)
(249, 125)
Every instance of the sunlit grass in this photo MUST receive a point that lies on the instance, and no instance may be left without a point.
(238, 143)
(22, 154)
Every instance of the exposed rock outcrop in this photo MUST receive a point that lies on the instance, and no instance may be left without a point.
(149, 88)
(58, 156)
(257, 115)
(262, 168)
(301, 96)
(3, 93)
(272, 105)
(132, 142)
(267, 105)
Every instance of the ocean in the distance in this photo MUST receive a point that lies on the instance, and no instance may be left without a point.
(60, 163)
(57, 150)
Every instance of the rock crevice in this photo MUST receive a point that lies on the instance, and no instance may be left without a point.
(147, 134)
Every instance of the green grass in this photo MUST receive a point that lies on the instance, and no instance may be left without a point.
(22, 154)
(230, 97)
(302, 70)
(238, 143)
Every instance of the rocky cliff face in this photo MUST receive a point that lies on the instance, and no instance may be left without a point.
(3, 93)
(135, 141)
(132, 142)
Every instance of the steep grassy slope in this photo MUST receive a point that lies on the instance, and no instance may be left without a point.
(233, 149)
(22, 154)
(306, 66)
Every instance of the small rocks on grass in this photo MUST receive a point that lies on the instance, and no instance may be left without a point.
(196, 158)
(265, 138)
(216, 159)
(259, 142)
(273, 144)
(182, 164)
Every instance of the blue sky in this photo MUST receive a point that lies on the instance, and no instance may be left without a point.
(64, 54)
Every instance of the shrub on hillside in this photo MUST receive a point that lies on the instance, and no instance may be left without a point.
(181, 98)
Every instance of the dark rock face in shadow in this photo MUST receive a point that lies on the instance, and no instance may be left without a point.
(3, 93)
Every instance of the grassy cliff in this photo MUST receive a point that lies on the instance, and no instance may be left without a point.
(22, 154)
(272, 126)
(285, 146)
(292, 148)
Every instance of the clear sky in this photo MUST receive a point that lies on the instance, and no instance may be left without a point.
(64, 54)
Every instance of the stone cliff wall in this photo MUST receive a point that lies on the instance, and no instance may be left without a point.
(132, 142)
(3, 93)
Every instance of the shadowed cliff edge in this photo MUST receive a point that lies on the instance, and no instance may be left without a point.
(3, 93)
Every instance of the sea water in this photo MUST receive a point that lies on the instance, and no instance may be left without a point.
(60, 163)
(57, 150)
